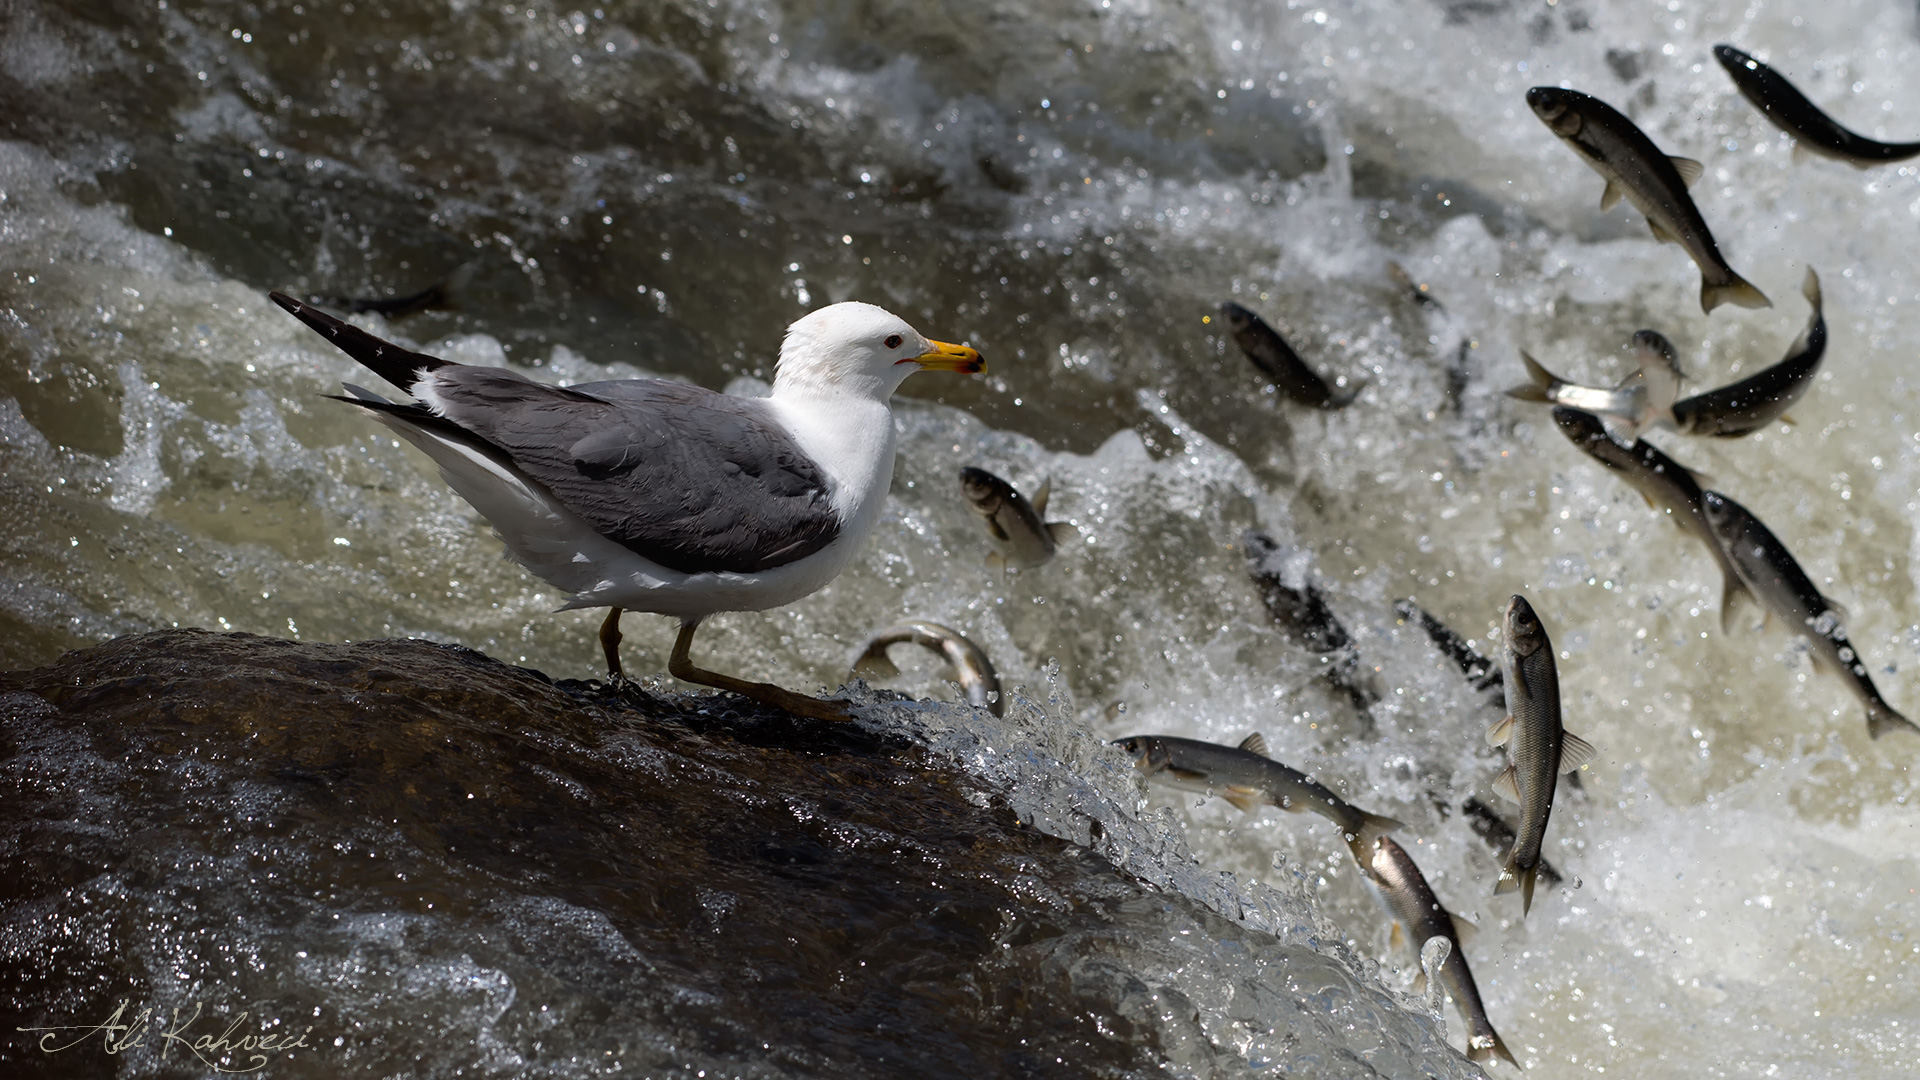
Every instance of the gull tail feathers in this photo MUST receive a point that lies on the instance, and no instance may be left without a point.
(1738, 292)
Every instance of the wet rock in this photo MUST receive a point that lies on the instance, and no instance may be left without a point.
(417, 860)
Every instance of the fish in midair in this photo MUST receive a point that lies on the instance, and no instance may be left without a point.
(1246, 777)
(1654, 183)
(1664, 483)
(1418, 291)
(1641, 400)
(1021, 535)
(1277, 361)
(1539, 748)
(1785, 590)
(1300, 609)
(1813, 131)
(1414, 907)
(968, 662)
(1752, 403)
(1493, 827)
(1483, 673)
(442, 293)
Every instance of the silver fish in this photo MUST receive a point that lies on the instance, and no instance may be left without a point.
(1023, 538)
(1540, 749)
(1654, 183)
(1753, 403)
(1277, 361)
(1415, 907)
(1664, 483)
(1786, 590)
(1246, 777)
(971, 668)
(1643, 399)
(1813, 131)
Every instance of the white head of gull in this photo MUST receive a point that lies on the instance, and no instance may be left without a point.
(647, 495)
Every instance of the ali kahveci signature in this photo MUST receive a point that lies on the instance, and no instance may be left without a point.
(223, 1053)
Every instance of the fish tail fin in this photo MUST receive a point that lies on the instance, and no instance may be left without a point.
(876, 663)
(1513, 878)
(1881, 719)
(1739, 292)
(1488, 1045)
(1541, 384)
(1341, 401)
(1372, 828)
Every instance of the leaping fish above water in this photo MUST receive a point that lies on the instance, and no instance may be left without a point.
(1654, 183)
(1773, 575)
(1021, 535)
(1813, 131)
(1277, 360)
(1302, 612)
(1414, 906)
(1664, 483)
(1753, 403)
(1539, 747)
(1246, 777)
(1645, 398)
(971, 668)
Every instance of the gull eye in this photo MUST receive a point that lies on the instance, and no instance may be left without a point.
(893, 341)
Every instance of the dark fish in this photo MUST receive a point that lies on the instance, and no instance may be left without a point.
(1813, 131)
(1246, 777)
(1277, 360)
(1753, 403)
(1654, 183)
(1493, 827)
(1418, 291)
(1481, 671)
(1664, 483)
(1302, 612)
(1773, 575)
(1020, 534)
(971, 668)
(438, 295)
(1539, 746)
(1414, 906)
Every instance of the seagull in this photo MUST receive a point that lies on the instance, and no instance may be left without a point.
(648, 495)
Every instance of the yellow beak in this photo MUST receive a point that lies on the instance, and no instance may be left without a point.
(961, 358)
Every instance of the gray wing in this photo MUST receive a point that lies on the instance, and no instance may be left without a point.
(693, 480)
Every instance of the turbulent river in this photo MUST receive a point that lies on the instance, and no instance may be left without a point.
(1073, 187)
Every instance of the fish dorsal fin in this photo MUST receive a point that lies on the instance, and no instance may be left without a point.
(1810, 288)
(1610, 197)
(1462, 929)
(1800, 152)
(1574, 751)
(1688, 169)
(1498, 734)
(1508, 783)
(1661, 234)
(996, 563)
(1244, 798)
(1788, 420)
(1838, 609)
(1062, 531)
(1255, 743)
(1039, 499)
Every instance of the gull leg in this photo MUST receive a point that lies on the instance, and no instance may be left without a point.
(680, 665)
(610, 642)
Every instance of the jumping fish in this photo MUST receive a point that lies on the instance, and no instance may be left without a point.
(1493, 827)
(1813, 131)
(1752, 403)
(971, 668)
(1301, 610)
(1418, 291)
(1645, 398)
(1664, 483)
(1479, 670)
(1654, 183)
(1277, 360)
(1773, 575)
(1246, 777)
(437, 295)
(1022, 536)
(1415, 907)
(1539, 747)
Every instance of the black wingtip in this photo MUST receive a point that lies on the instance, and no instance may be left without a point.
(399, 366)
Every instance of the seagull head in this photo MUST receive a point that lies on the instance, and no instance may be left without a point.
(861, 350)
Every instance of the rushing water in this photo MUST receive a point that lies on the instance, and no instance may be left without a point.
(1072, 187)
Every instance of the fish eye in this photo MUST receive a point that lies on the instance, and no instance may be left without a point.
(893, 341)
